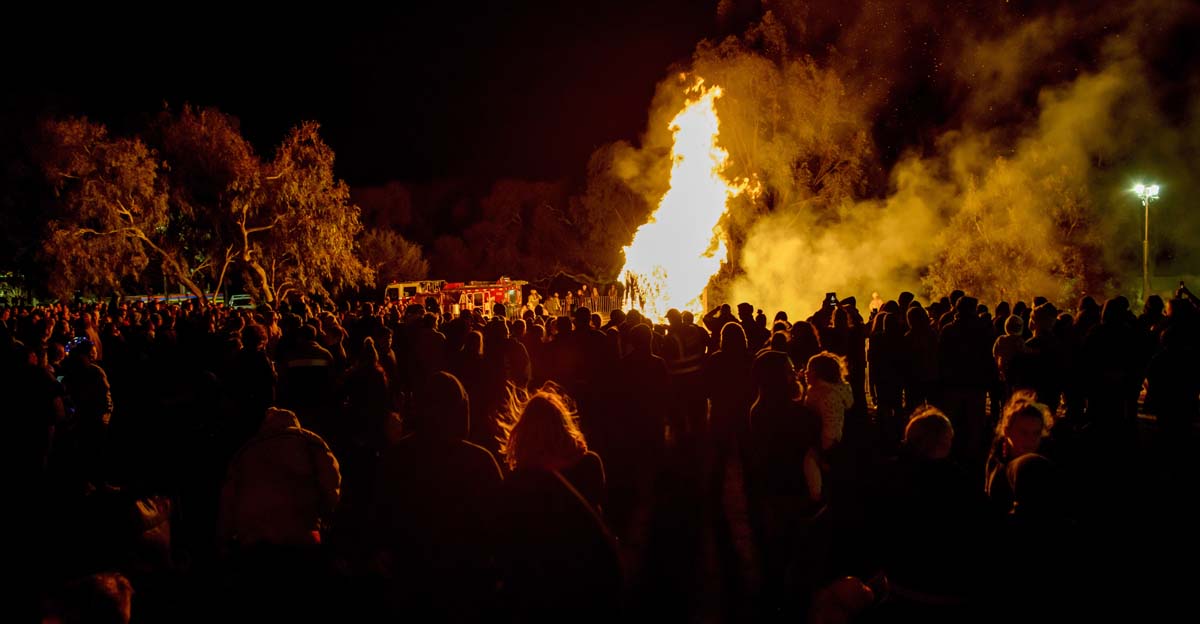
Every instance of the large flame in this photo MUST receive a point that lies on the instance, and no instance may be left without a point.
(676, 253)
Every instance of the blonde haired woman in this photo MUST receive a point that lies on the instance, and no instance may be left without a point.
(555, 551)
(542, 434)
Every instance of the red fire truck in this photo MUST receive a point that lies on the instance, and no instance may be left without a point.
(453, 297)
(405, 293)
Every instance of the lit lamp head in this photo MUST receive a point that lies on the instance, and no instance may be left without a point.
(1146, 192)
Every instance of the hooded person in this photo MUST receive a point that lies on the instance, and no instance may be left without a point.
(280, 486)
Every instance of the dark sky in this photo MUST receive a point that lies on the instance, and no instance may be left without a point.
(410, 94)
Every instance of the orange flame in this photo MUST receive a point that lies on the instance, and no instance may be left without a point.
(675, 254)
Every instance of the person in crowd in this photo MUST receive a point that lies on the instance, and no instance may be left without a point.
(90, 397)
(1023, 426)
(966, 367)
(280, 486)
(928, 521)
(1040, 364)
(786, 481)
(921, 353)
(1007, 347)
(308, 379)
(366, 403)
(828, 396)
(729, 380)
(555, 548)
(434, 496)
(888, 368)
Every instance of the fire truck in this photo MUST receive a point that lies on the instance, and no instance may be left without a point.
(405, 293)
(458, 296)
(454, 297)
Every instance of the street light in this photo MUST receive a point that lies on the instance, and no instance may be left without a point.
(1147, 194)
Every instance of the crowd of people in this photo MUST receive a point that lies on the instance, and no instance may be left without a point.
(940, 460)
(564, 303)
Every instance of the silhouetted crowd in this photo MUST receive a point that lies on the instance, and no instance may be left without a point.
(944, 461)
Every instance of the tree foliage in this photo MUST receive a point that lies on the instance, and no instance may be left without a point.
(520, 228)
(215, 182)
(113, 217)
(1017, 235)
(788, 122)
(392, 258)
(309, 244)
(195, 201)
(607, 214)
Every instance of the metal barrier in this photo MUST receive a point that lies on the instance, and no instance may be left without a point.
(602, 305)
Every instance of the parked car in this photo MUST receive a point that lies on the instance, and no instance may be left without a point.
(241, 302)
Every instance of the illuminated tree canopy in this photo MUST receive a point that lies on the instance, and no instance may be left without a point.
(113, 216)
(191, 199)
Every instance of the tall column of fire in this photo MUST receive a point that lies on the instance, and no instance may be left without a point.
(675, 254)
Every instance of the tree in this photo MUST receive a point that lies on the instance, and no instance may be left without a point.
(23, 209)
(215, 183)
(391, 257)
(521, 228)
(210, 206)
(113, 219)
(1019, 234)
(308, 243)
(287, 224)
(607, 214)
(452, 258)
(787, 122)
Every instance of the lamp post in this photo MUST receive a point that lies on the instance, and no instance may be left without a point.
(1147, 193)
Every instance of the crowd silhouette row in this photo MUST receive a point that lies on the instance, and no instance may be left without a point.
(944, 460)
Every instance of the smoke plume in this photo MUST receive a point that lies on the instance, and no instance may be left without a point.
(915, 148)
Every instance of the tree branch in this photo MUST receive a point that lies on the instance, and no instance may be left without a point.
(123, 211)
(129, 230)
(224, 268)
(180, 270)
(261, 228)
(203, 265)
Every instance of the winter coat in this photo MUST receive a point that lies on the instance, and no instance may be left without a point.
(279, 485)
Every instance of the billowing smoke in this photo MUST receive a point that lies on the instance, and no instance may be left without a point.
(910, 148)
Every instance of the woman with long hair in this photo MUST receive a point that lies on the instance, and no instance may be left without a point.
(541, 432)
(556, 553)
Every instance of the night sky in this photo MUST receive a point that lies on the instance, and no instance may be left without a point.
(408, 94)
